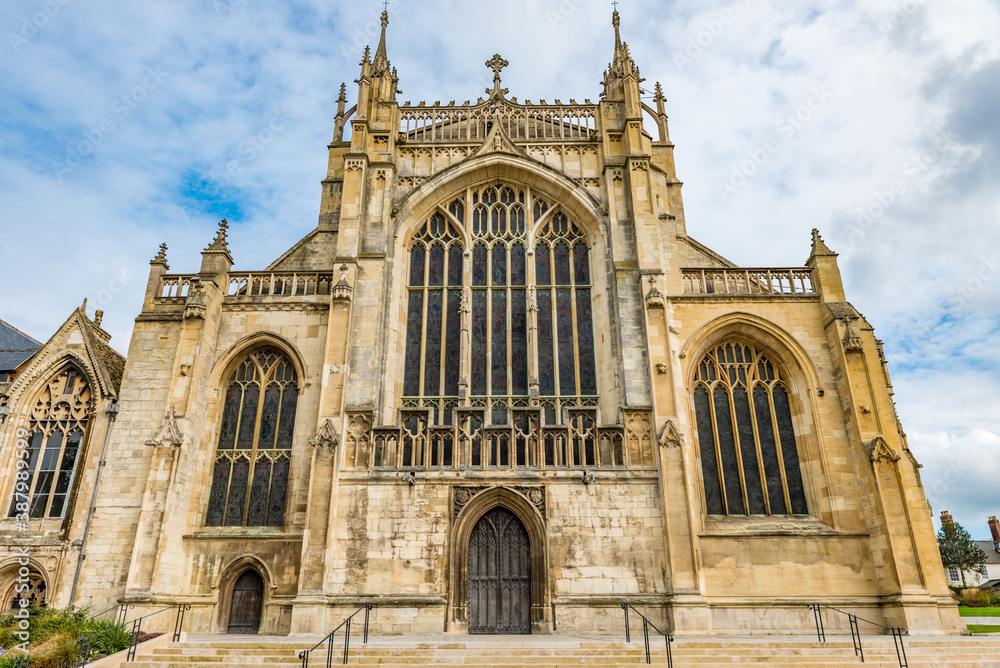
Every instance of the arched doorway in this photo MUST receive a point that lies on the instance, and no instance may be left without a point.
(499, 583)
(247, 603)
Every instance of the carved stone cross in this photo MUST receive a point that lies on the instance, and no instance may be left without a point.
(496, 64)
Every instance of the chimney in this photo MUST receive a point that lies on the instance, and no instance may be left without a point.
(995, 530)
(946, 518)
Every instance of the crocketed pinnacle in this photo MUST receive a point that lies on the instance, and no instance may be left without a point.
(221, 242)
(381, 63)
(819, 247)
(622, 65)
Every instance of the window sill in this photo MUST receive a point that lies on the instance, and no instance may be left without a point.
(717, 526)
(242, 533)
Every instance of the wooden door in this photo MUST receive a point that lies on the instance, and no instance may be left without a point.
(499, 575)
(248, 599)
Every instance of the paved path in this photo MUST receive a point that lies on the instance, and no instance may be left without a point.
(986, 621)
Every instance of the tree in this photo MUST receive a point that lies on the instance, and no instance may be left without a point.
(957, 548)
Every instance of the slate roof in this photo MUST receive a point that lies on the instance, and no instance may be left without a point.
(15, 347)
(992, 556)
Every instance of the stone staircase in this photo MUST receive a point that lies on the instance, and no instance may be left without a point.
(563, 650)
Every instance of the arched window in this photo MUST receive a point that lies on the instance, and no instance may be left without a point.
(255, 442)
(517, 284)
(749, 459)
(58, 423)
(17, 587)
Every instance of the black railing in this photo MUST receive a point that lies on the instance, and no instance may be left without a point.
(134, 631)
(897, 632)
(646, 624)
(328, 640)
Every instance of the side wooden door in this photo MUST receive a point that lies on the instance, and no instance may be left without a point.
(499, 575)
(247, 603)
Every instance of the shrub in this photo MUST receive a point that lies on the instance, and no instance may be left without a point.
(975, 598)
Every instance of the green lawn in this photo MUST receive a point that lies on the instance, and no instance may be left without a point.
(978, 612)
(979, 628)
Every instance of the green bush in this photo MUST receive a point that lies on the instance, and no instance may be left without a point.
(976, 598)
(53, 633)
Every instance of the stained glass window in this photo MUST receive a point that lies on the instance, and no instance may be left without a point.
(250, 473)
(530, 271)
(58, 423)
(433, 329)
(749, 457)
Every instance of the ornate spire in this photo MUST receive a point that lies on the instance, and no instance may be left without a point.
(221, 242)
(381, 63)
(622, 65)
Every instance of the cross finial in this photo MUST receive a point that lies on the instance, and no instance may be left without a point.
(385, 5)
(497, 63)
(615, 3)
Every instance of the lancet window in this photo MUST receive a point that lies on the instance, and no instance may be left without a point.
(527, 296)
(749, 456)
(58, 424)
(250, 477)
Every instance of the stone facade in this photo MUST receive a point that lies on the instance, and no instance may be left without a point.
(372, 515)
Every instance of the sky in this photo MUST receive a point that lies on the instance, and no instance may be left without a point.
(124, 125)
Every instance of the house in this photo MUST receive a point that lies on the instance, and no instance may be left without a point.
(986, 574)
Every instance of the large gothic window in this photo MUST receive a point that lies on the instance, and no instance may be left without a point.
(527, 298)
(250, 479)
(58, 423)
(749, 458)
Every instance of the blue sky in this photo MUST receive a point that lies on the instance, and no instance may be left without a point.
(124, 125)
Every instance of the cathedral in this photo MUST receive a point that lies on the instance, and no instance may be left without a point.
(498, 389)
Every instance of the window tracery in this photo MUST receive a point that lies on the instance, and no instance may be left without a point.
(520, 279)
(250, 477)
(749, 457)
(58, 424)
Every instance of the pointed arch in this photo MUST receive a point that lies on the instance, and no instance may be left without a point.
(417, 204)
(227, 580)
(750, 388)
(534, 523)
(227, 362)
(254, 435)
(59, 415)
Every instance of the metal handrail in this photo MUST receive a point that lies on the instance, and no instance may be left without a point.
(85, 642)
(328, 640)
(897, 632)
(668, 638)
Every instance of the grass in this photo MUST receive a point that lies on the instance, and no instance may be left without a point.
(978, 612)
(981, 628)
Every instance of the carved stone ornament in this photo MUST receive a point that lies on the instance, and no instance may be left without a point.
(536, 495)
(655, 298)
(462, 496)
(197, 302)
(879, 450)
(661, 368)
(852, 340)
(342, 291)
(326, 437)
(466, 304)
(532, 299)
(670, 437)
(170, 435)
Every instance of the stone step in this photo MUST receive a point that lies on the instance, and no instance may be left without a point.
(535, 651)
